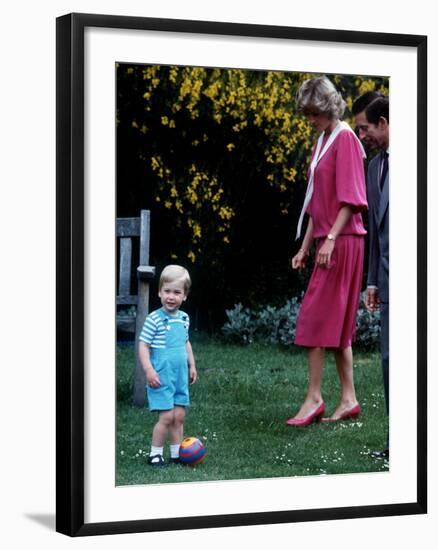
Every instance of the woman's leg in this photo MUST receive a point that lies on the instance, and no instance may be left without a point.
(344, 366)
(313, 398)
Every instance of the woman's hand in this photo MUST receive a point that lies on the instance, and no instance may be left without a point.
(324, 254)
(299, 260)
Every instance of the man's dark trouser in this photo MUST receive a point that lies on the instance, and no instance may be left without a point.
(384, 350)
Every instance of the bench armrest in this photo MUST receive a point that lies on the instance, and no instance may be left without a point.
(145, 272)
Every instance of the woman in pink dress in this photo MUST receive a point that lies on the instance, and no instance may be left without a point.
(335, 198)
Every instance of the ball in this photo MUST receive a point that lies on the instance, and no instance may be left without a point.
(191, 451)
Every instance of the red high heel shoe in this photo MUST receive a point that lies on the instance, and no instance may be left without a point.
(351, 413)
(316, 415)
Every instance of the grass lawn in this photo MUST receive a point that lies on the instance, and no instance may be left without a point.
(239, 407)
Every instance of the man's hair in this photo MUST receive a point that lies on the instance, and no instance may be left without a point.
(377, 109)
(364, 100)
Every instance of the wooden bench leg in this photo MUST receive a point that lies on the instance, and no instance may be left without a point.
(139, 394)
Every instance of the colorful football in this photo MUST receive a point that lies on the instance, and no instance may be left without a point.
(191, 451)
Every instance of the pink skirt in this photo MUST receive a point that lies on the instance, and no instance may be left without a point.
(327, 316)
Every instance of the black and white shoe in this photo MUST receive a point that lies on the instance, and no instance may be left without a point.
(156, 460)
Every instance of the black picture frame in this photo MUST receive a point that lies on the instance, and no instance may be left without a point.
(70, 273)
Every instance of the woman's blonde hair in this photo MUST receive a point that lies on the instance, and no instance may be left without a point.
(320, 94)
(172, 273)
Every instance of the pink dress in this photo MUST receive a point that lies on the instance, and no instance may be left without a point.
(327, 316)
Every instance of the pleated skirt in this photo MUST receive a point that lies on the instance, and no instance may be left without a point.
(327, 317)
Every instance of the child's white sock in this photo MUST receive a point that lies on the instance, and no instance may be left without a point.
(174, 451)
(156, 451)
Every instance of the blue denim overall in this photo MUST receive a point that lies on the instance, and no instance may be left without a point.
(171, 364)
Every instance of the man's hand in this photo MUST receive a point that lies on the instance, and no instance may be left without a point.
(371, 300)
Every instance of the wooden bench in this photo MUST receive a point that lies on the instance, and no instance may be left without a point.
(130, 230)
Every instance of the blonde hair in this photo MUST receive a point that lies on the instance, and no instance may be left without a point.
(320, 94)
(173, 273)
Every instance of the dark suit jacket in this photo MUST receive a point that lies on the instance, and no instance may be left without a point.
(378, 208)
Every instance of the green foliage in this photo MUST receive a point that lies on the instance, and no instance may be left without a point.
(367, 328)
(240, 327)
(276, 325)
(270, 325)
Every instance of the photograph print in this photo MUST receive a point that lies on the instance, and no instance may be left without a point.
(252, 274)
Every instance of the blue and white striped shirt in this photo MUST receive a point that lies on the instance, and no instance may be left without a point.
(154, 329)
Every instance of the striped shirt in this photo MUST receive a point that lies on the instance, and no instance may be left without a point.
(154, 329)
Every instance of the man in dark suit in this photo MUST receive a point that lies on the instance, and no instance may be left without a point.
(372, 120)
